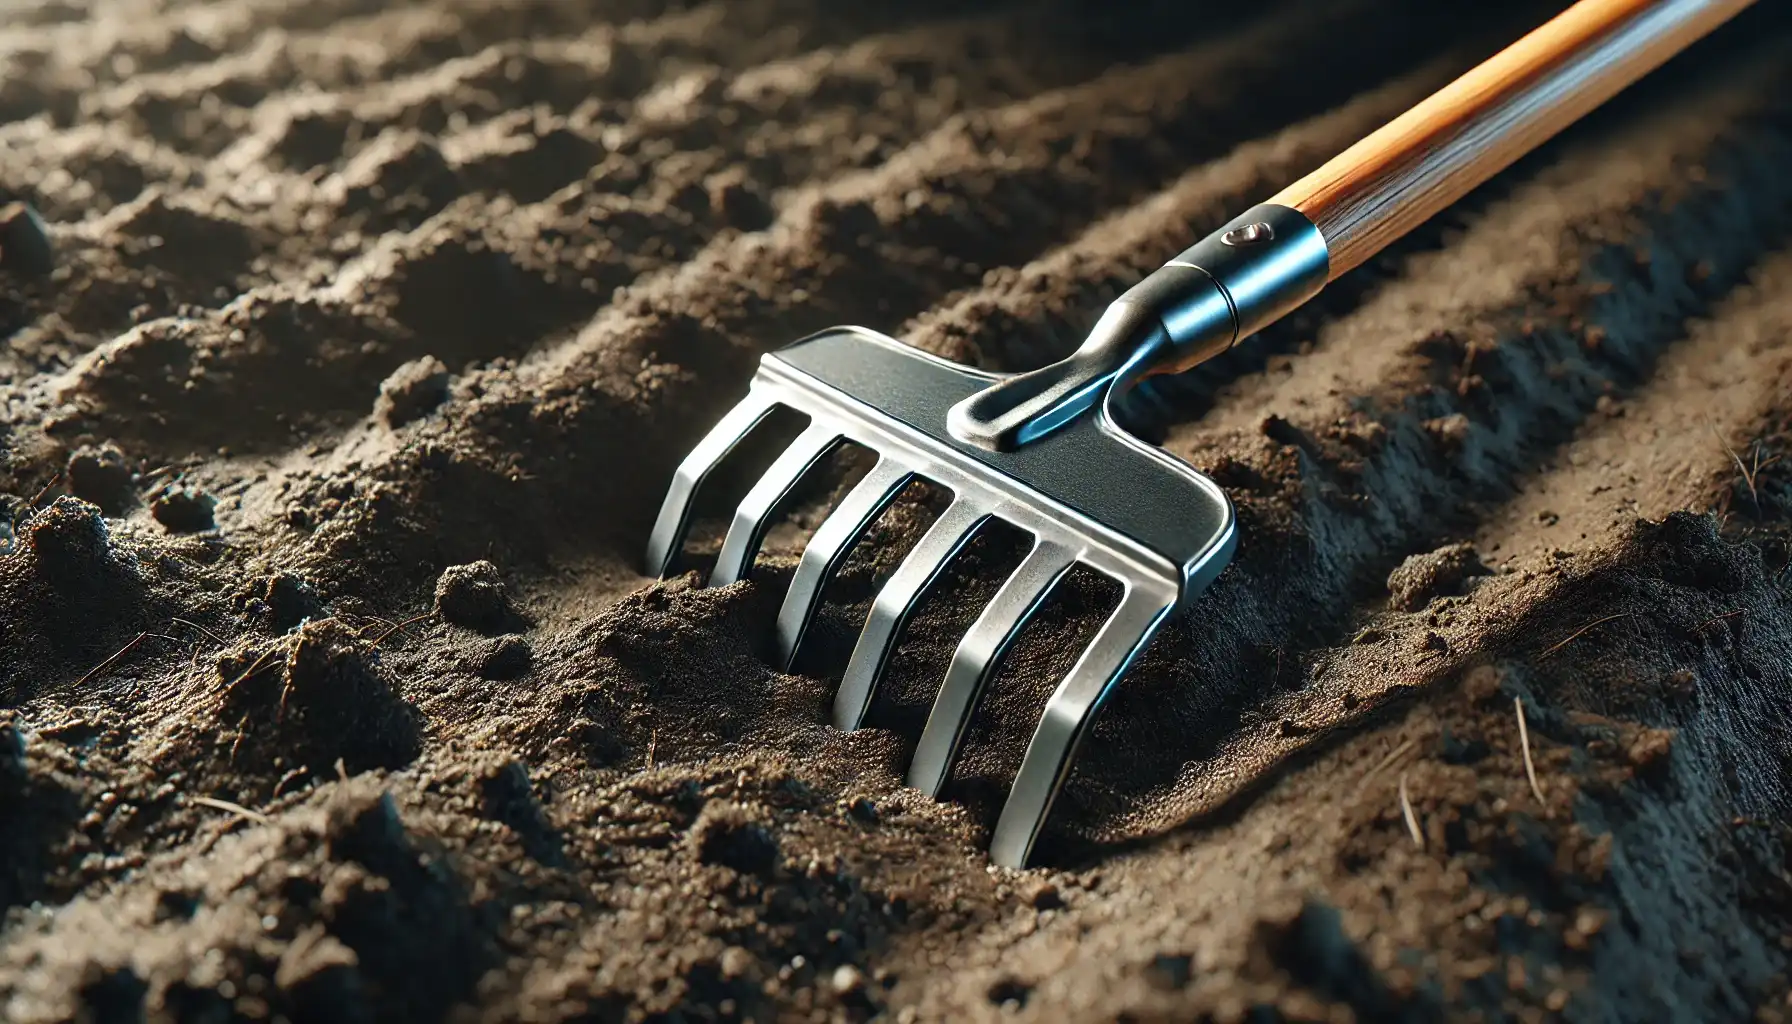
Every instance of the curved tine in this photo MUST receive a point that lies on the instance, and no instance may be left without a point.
(1067, 716)
(833, 539)
(751, 517)
(976, 657)
(675, 511)
(894, 602)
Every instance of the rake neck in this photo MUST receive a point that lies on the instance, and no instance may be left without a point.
(1224, 288)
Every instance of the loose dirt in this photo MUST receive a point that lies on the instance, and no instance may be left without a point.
(350, 347)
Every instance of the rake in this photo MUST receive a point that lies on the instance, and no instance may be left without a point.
(1041, 450)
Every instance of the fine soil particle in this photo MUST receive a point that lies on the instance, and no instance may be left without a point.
(350, 349)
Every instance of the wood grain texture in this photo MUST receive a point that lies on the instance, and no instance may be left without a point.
(1427, 158)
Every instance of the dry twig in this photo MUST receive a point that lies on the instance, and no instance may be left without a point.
(1393, 755)
(261, 661)
(1412, 820)
(121, 652)
(189, 622)
(39, 496)
(1719, 618)
(1748, 477)
(1570, 638)
(231, 806)
(410, 621)
(374, 620)
(1524, 740)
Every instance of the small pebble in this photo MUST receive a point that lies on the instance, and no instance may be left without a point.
(736, 962)
(848, 979)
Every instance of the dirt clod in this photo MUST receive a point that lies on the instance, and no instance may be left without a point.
(733, 835)
(102, 475)
(68, 539)
(282, 600)
(507, 658)
(412, 391)
(69, 594)
(863, 810)
(734, 199)
(1439, 573)
(473, 595)
(325, 697)
(183, 510)
(322, 978)
(1648, 752)
(363, 825)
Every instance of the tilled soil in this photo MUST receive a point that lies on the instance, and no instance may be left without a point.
(349, 350)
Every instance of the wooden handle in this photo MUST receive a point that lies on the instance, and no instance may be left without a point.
(1430, 156)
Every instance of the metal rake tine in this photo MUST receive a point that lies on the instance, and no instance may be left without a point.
(752, 516)
(894, 602)
(976, 657)
(1066, 720)
(675, 511)
(832, 540)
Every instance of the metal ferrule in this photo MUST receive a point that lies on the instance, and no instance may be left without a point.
(1263, 265)
(1224, 288)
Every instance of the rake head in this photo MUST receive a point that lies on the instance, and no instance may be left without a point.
(1087, 492)
(1041, 449)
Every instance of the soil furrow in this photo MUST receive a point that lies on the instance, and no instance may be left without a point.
(419, 74)
(1657, 774)
(397, 180)
(1704, 416)
(1648, 452)
(603, 239)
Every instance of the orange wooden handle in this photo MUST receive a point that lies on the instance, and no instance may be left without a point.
(1430, 156)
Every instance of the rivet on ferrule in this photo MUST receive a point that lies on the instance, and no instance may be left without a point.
(1248, 234)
